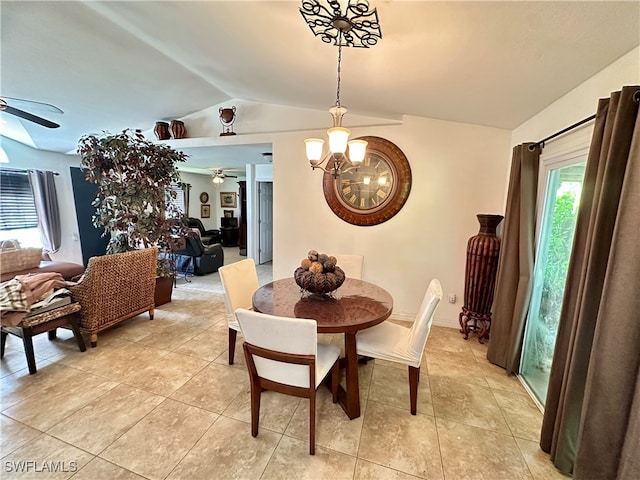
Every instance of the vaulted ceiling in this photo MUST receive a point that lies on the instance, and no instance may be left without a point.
(121, 64)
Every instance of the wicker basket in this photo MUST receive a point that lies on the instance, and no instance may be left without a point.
(13, 258)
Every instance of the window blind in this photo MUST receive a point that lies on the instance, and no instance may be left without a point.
(179, 200)
(17, 208)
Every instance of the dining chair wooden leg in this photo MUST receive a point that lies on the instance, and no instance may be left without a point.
(335, 381)
(255, 408)
(414, 377)
(232, 344)
(4, 341)
(312, 423)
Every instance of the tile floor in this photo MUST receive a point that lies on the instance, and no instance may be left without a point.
(157, 400)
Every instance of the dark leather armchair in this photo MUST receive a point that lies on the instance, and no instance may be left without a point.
(193, 257)
(208, 237)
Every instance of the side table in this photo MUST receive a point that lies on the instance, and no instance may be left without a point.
(44, 322)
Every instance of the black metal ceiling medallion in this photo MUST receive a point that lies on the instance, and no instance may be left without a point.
(356, 27)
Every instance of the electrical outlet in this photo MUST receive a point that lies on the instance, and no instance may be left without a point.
(452, 298)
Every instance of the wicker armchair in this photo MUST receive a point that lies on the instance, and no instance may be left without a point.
(115, 288)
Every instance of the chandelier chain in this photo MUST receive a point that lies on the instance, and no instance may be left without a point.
(339, 60)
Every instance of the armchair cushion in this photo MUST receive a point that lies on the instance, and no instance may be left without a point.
(208, 237)
(192, 256)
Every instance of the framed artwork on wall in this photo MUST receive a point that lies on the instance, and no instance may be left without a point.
(205, 211)
(228, 199)
(228, 213)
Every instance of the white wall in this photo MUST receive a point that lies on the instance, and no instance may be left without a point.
(458, 171)
(581, 102)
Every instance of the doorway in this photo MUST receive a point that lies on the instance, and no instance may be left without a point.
(265, 222)
(559, 195)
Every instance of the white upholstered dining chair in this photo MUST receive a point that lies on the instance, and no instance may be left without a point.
(350, 264)
(239, 282)
(283, 355)
(395, 343)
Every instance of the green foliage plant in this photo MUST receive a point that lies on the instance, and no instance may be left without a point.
(555, 274)
(135, 203)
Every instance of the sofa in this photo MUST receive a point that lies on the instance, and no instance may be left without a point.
(193, 256)
(115, 288)
(68, 270)
(208, 237)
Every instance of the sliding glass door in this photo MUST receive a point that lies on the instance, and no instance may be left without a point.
(560, 196)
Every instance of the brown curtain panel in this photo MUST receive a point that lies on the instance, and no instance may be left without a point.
(43, 186)
(591, 419)
(186, 190)
(515, 268)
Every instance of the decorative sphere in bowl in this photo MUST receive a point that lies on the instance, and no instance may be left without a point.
(318, 273)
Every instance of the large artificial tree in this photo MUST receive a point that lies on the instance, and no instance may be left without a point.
(135, 201)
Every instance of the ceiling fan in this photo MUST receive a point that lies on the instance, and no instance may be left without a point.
(218, 175)
(15, 106)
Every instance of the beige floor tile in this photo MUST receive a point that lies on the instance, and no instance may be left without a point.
(292, 460)
(276, 409)
(15, 362)
(14, 435)
(99, 469)
(365, 372)
(469, 404)
(479, 351)
(56, 402)
(44, 457)
(334, 430)
(370, 471)
(166, 375)
(213, 388)
(228, 451)
(20, 385)
(522, 415)
(444, 339)
(462, 367)
(394, 438)
(391, 387)
(118, 359)
(207, 345)
(155, 445)
(130, 330)
(538, 461)
(171, 336)
(474, 453)
(238, 360)
(98, 424)
(498, 378)
(45, 348)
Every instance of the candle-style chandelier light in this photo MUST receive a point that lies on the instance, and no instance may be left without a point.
(357, 26)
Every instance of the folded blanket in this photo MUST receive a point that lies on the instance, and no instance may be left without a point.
(20, 293)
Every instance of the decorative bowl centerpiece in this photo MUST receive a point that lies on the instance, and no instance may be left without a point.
(318, 273)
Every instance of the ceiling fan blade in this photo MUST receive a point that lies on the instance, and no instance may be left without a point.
(31, 105)
(29, 116)
(230, 176)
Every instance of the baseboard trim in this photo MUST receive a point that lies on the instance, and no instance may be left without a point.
(438, 321)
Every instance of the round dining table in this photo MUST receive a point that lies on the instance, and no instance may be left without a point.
(354, 306)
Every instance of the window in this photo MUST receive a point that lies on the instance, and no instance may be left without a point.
(18, 217)
(179, 201)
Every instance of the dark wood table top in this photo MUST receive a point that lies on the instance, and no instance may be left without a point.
(354, 306)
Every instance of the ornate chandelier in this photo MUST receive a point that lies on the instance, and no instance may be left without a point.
(356, 27)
